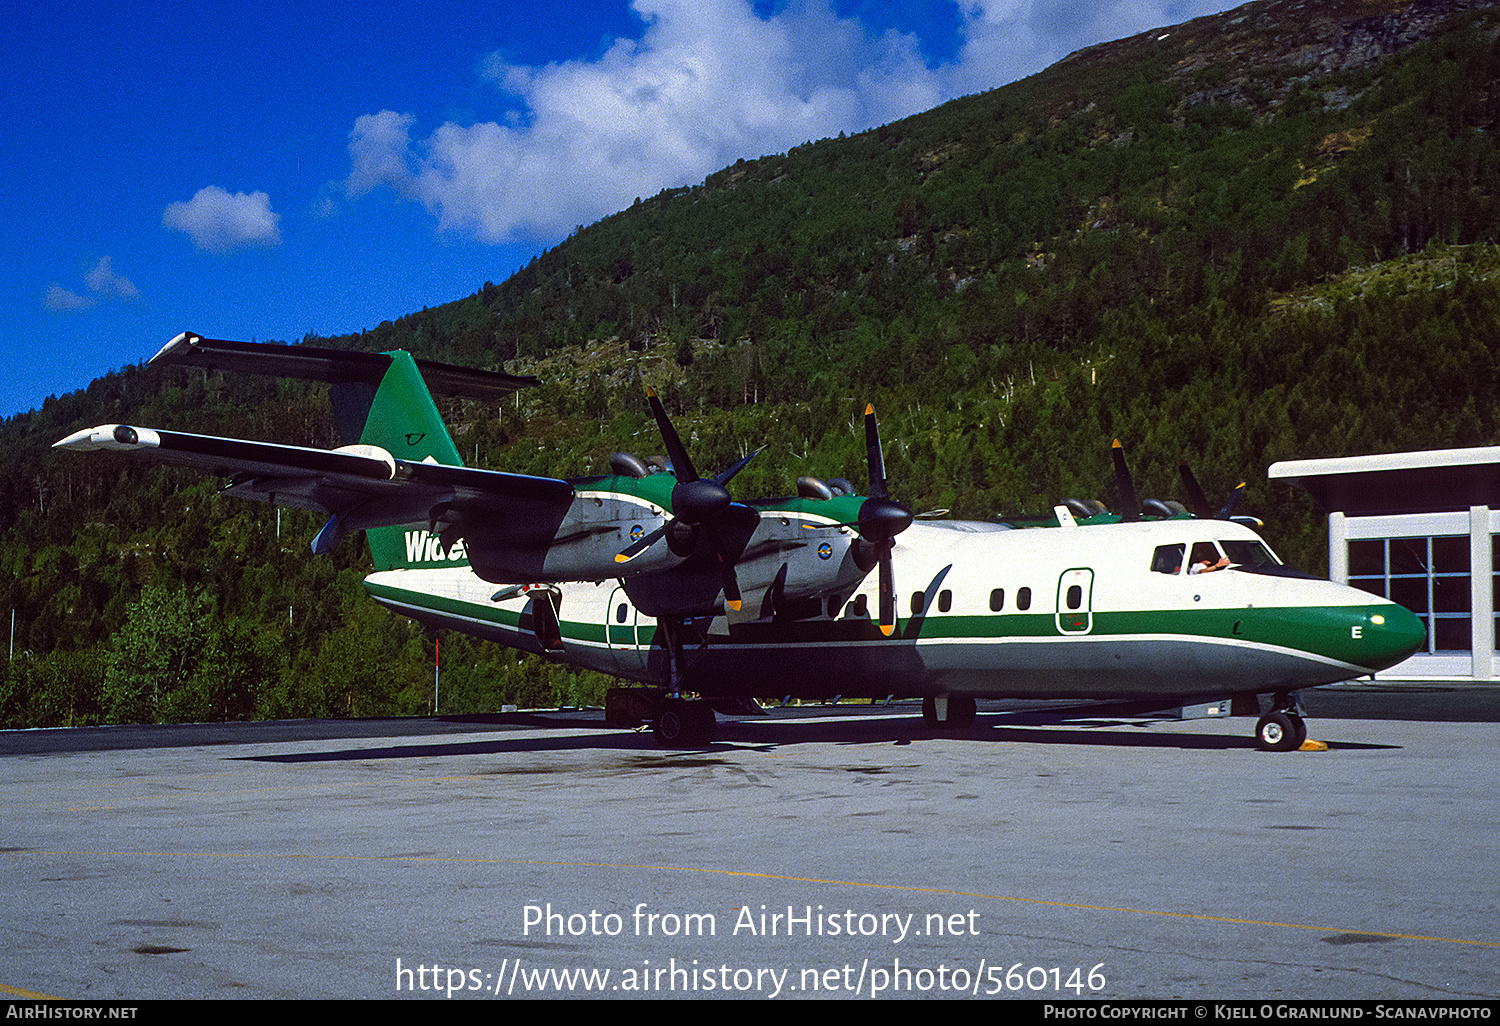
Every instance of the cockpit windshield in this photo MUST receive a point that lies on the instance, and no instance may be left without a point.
(1249, 555)
(1207, 556)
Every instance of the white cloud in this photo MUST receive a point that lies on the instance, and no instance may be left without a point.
(377, 147)
(709, 82)
(103, 280)
(221, 223)
(60, 299)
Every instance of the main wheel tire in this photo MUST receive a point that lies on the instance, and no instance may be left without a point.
(961, 711)
(1280, 732)
(684, 725)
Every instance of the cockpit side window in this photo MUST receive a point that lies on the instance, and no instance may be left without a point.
(1205, 552)
(1206, 558)
(1168, 559)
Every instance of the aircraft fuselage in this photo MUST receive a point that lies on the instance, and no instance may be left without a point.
(984, 611)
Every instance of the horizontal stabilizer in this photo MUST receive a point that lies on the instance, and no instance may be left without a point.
(335, 366)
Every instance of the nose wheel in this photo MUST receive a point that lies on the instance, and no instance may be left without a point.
(1280, 731)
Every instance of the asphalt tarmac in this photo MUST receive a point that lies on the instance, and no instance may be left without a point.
(1051, 851)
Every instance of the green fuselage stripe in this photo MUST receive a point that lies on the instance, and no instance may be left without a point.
(1323, 631)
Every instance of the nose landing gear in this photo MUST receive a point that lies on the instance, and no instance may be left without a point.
(1281, 729)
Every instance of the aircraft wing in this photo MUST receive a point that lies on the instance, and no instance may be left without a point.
(361, 486)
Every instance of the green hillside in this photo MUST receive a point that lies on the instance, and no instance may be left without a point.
(1265, 235)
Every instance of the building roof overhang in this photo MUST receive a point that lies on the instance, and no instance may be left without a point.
(1437, 480)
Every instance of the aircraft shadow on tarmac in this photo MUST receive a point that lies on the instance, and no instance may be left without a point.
(1046, 727)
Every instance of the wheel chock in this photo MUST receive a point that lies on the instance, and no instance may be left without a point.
(1313, 746)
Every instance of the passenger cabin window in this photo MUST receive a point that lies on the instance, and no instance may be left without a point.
(1168, 559)
(1075, 597)
(1023, 598)
(945, 600)
(918, 601)
(620, 613)
(997, 600)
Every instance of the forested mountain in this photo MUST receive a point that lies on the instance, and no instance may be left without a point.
(1263, 235)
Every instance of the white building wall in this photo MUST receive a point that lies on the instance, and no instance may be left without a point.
(1479, 523)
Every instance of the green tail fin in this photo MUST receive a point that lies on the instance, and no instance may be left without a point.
(404, 421)
(378, 399)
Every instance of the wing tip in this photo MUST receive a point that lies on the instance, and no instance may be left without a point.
(183, 341)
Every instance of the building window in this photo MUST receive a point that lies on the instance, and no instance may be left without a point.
(1428, 575)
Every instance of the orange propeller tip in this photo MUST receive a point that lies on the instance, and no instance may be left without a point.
(887, 629)
(869, 409)
(735, 605)
(620, 557)
(1117, 444)
(651, 391)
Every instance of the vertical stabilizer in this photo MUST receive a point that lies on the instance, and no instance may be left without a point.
(380, 399)
(404, 421)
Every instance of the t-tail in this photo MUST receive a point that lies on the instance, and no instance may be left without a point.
(379, 399)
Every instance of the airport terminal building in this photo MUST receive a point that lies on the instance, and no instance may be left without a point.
(1421, 529)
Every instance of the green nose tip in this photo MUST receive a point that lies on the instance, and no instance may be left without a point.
(1395, 633)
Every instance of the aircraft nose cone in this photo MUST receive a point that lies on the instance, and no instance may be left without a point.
(1394, 633)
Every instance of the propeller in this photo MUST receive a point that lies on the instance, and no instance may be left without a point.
(699, 506)
(1199, 501)
(880, 520)
(1130, 509)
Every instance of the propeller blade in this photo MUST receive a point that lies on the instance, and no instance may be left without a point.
(1130, 508)
(887, 591)
(726, 476)
(682, 464)
(874, 458)
(1234, 500)
(1201, 506)
(731, 581)
(1196, 499)
(635, 548)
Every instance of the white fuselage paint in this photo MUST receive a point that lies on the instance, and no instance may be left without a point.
(1134, 631)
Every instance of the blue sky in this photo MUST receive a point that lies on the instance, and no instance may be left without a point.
(250, 172)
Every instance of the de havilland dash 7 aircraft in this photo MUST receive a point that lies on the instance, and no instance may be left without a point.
(664, 579)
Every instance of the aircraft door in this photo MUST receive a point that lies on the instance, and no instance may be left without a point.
(620, 629)
(1075, 598)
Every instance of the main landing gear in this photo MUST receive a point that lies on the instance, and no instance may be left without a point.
(952, 711)
(676, 722)
(1281, 729)
(682, 724)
